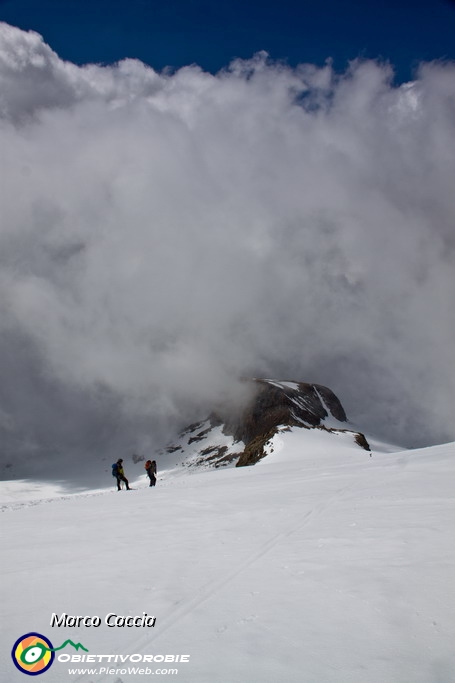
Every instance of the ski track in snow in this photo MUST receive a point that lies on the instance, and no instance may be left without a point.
(183, 610)
(11, 507)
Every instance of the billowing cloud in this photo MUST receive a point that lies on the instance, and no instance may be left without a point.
(164, 234)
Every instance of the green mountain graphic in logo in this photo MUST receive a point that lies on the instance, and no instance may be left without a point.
(77, 646)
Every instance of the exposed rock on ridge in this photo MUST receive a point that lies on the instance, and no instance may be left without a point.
(222, 439)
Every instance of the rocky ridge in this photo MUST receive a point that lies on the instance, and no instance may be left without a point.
(222, 439)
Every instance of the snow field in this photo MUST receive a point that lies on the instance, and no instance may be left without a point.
(317, 565)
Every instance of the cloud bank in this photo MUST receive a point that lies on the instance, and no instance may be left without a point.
(163, 234)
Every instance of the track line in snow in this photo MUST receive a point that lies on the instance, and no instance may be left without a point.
(211, 589)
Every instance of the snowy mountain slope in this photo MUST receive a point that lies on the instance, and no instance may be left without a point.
(224, 440)
(204, 444)
(320, 564)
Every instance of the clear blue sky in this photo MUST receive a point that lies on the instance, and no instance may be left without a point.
(210, 33)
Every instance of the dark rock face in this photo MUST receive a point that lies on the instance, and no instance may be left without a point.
(277, 404)
(274, 405)
(284, 403)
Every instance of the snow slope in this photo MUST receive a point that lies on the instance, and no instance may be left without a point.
(317, 565)
(204, 445)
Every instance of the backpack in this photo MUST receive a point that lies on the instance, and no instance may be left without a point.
(114, 469)
(148, 464)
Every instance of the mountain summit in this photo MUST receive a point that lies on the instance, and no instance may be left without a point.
(244, 439)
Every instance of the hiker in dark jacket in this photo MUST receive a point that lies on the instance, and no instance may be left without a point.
(150, 468)
(119, 474)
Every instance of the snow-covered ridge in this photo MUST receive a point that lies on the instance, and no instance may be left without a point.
(223, 440)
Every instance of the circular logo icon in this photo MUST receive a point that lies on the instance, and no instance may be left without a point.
(31, 654)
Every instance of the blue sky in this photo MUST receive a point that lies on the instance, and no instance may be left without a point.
(179, 32)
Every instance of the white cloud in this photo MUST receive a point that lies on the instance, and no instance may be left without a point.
(163, 234)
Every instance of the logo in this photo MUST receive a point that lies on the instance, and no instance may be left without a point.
(33, 653)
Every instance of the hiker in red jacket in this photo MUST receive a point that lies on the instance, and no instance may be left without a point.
(150, 468)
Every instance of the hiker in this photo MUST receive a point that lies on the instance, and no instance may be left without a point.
(150, 468)
(119, 474)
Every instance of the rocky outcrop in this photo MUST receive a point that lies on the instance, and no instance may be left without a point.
(284, 403)
(224, 438)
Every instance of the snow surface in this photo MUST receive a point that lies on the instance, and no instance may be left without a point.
(317, 565)
(281, 385)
